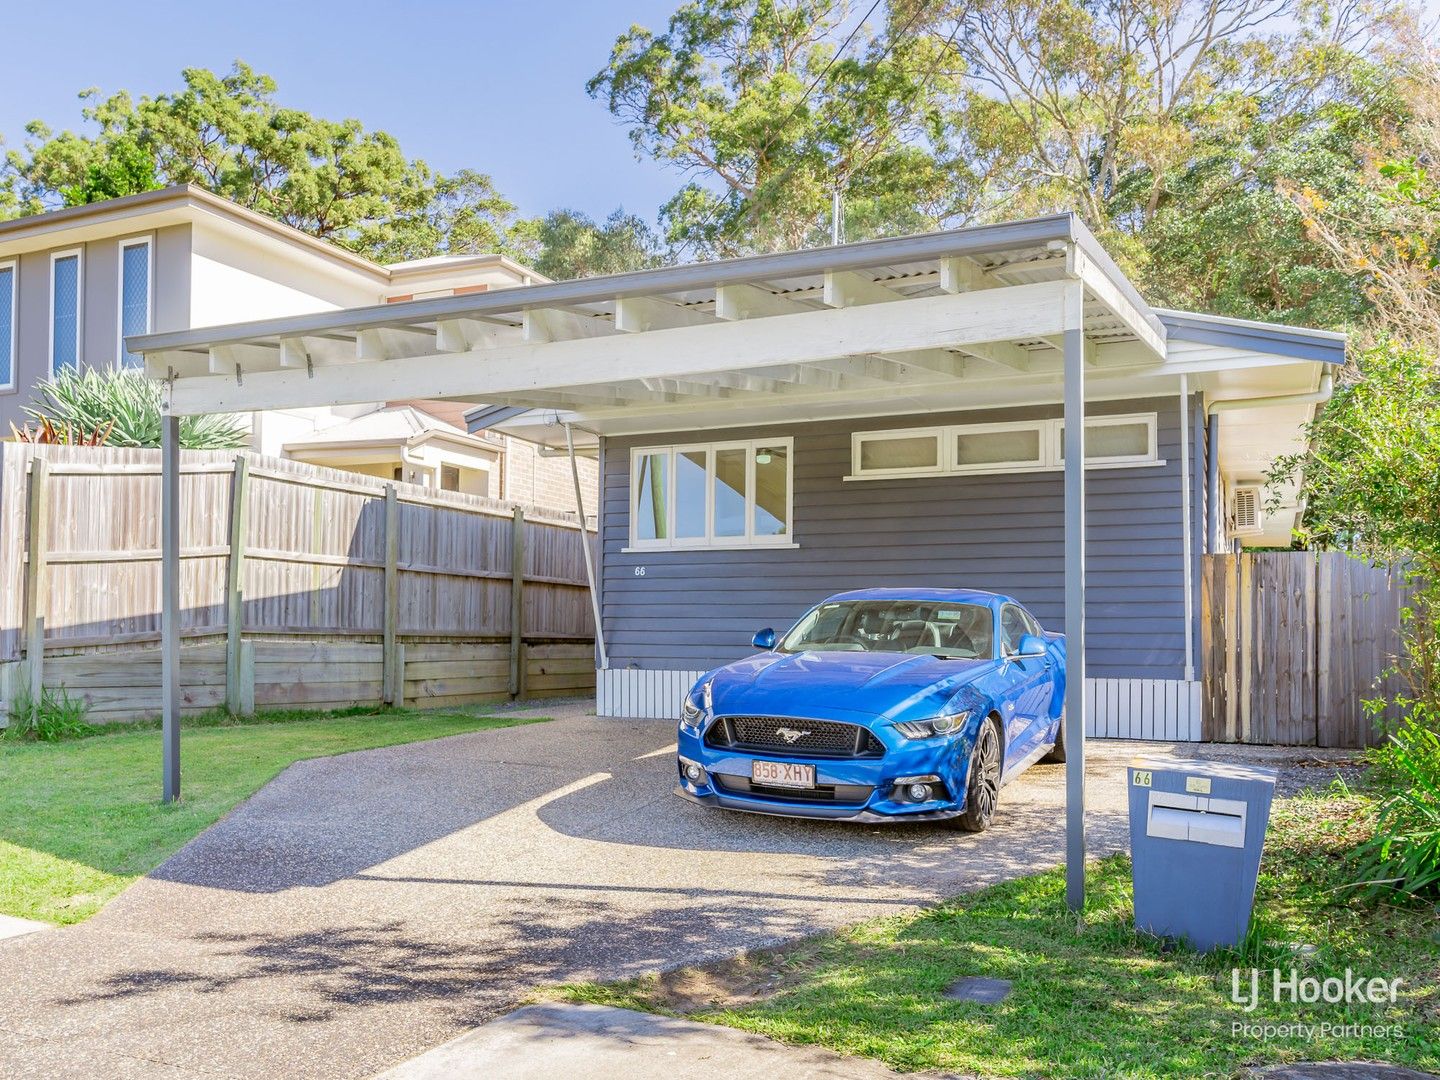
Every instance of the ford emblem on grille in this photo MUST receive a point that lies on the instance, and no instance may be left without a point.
(790, 735)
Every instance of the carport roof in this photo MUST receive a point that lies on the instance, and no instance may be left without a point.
(909, 321)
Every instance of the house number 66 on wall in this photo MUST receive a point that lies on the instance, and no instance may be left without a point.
(639, 571)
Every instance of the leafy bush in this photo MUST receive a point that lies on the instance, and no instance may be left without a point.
(90, 400)
(56, 716)
(1404, 853)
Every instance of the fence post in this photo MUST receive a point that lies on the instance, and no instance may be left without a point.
(517, 603)
(246, 703)
(235, 592)
(36, 591)
(392, 690)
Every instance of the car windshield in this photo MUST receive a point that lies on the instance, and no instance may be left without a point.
(930, 627)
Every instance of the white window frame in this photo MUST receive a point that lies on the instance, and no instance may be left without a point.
(1050, 431)
(1042, 428)
(1147, 458)
(860, 438)
(13, 265)
(709, 541)
(56, 256)
(138, 241)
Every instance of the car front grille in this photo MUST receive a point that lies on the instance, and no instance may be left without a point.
(845, 794)
(798, 738)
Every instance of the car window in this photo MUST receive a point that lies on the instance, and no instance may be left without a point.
(1012, 628)
(1032, 626)
(935, 628)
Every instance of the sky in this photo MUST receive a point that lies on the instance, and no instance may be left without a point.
(494, 85)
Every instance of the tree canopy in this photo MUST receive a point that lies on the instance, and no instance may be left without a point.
(229, 134)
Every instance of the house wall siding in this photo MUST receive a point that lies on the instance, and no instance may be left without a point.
(692, 610)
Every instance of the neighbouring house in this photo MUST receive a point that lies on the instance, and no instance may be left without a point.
(75, 282)
(774, 429)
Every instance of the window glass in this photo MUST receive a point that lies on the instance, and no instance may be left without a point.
(690, 469)
(1012, 628)
(1127, 440)
(135, 298)
(66, 298)
(651, 516)
(730, 491)
(900, 452)
(772, 489)
(7, 325)
(933, 628)
(449, 478)
(1015, 446)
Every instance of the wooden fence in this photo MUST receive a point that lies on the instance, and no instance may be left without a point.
(298, 586)
(1293, 642)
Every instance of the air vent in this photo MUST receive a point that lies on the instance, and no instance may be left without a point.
(1245, 511)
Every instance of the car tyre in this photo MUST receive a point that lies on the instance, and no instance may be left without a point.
(1057, 752)
(982, 790)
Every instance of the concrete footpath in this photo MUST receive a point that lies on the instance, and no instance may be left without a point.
(541, 1042)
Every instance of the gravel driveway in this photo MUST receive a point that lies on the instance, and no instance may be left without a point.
(361, 909)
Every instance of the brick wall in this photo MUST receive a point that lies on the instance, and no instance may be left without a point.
(532, 478)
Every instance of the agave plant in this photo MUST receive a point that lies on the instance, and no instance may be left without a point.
(128, 404)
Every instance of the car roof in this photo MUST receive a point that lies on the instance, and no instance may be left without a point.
(954, 596)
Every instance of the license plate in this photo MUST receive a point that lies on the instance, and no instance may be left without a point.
(782, 774)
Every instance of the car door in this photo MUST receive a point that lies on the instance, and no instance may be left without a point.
(1030, 683)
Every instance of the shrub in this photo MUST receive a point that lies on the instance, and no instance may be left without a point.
(129, 405)
(56, 716)
(1404, 853)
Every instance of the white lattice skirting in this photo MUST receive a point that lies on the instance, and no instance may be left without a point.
(1161, 709)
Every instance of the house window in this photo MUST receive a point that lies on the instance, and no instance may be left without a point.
(1114, 440)
(64, 311)
(898, 452)
(449, 478)
(730, 494)
(993, 447)
(7, 326)
(1018, 446)
(134, 297)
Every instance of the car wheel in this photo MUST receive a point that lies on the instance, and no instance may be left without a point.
(1057, 752)
(983, 790)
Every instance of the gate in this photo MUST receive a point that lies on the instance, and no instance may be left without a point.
(1293, 642)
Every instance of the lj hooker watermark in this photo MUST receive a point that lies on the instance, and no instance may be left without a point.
(1292, 987)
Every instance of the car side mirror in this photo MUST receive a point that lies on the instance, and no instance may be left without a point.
(764, 639)
(1030, 645)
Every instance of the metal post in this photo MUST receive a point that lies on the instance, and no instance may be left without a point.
(1074, 598)
(1187, 557)
(585, 547)
(235, 590)
(517, 602)
(1212, 484)
(170, 601)
(391, 676)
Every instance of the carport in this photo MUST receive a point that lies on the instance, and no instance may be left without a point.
(979, 318)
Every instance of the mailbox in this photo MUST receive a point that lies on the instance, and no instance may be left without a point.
(1196, 832)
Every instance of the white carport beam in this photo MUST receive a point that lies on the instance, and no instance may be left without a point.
(946, 321)
(636, 314)
(394, 342)
(733, 302)
(1105, 290)
(542, 325)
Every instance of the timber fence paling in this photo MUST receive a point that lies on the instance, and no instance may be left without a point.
(1294, 642)
(273, 548)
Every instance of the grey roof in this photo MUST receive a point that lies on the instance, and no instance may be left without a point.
(1302, 343)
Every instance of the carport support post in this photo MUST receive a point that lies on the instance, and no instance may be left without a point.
(170, 601)
(1074, 597)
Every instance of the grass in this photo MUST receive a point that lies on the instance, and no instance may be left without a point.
(1091, 998)
(81, 818)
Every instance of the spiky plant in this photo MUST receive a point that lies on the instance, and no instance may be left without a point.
(90, 400)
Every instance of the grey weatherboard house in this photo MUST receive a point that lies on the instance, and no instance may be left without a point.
(776, 428)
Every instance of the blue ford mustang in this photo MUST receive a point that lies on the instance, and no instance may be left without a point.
(879, 705)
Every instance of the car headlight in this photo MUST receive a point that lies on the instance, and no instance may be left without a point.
(693, 713)
(934, 727)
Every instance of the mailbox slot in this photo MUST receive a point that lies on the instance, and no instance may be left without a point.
(1196, 819)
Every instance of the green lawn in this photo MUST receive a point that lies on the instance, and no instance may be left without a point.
(81, 819)
(1090, 997)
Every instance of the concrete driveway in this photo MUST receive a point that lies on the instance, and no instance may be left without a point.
(363, 908)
